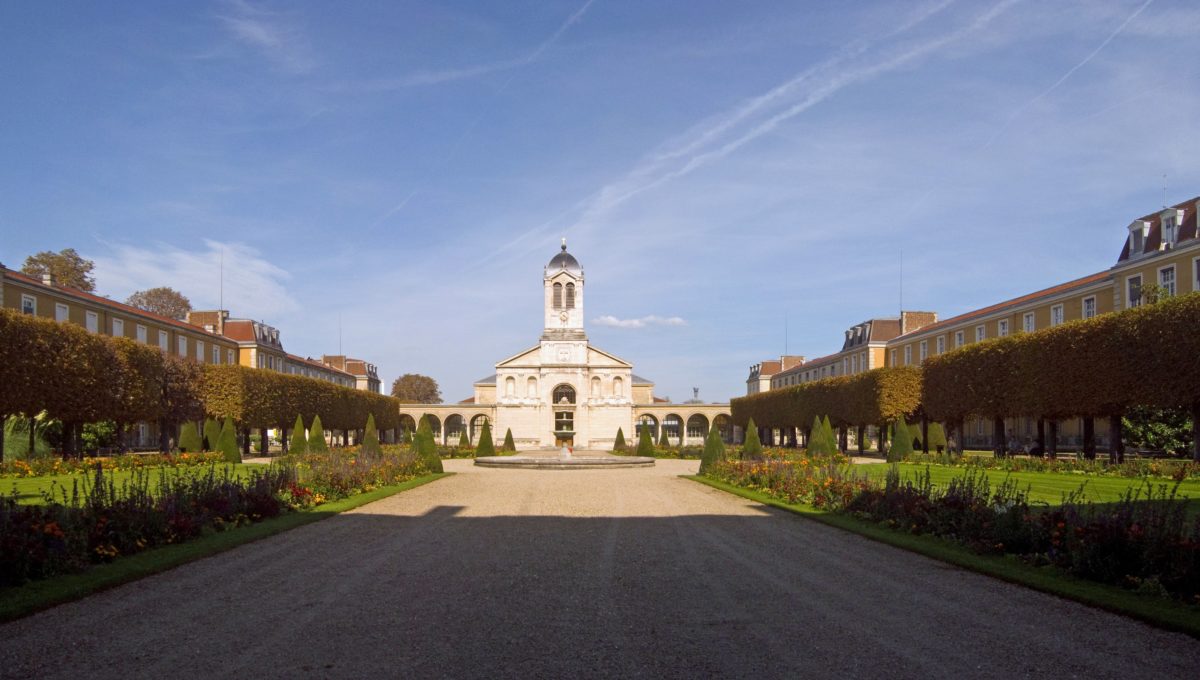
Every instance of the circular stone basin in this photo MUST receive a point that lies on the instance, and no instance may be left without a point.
(555, 462)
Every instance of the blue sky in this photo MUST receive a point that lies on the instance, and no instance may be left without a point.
(411, 166)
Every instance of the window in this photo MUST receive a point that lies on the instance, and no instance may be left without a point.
(1089, 308)
(1056, 315)
(941, 344)
(118, 330)
(1169, 231)
(558, 296)
(229, 356)
(570, 296)
(200, 351)
(181, 346)
(907, 354)
(1137, 239)
(564, 394)
(1028, 322)
(61, 312)
(29, 305)
(141, 334)
(1002, 328)
(924, 350)
(1196, 274)
(163, 341)
(854, 363)
(959, 338)
(216, 355)
(1133, 291)
(893, 357)
(1166, 280)
(92, 321)
(980, 333)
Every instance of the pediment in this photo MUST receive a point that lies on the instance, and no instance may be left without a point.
(600, 358)
(529, 357)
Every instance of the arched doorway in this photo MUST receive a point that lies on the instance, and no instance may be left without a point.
(563, 403)
(697, 427)
(455, 429)
(650, 423)
(673, 425)
(477, 427)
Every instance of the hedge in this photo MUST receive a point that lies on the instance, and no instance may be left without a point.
(870, 398)
(79, 377)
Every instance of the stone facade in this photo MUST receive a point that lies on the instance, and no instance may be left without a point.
(562, 390)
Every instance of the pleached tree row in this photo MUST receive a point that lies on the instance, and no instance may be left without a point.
(1093, 369)
(80, 377)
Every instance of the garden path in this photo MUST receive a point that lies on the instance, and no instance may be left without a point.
(632, 573)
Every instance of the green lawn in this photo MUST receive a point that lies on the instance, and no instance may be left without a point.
(29, 489)
(1048, 487)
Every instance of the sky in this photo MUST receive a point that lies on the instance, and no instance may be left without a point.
(737, 179)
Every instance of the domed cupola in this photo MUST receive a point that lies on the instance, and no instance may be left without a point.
(564, 261)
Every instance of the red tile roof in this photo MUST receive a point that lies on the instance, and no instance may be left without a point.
(316, 364)
(105, 302)
(1187, 228)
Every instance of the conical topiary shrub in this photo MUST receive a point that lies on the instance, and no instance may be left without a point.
(619, 442)
(509, 446)
(751, 447)
(831, 440)
(662, 437)
(316, 437)
(227, 442)
(937, 438)
(464, 436)
(645, 446)
(914, 431)
(189, 438)
(485, 447)
(370, 442)
(817, 445)
(714, 450)
(427, 448)
(212, 435)
(298, 442)
(901, 443)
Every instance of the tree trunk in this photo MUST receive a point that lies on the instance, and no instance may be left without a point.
(346, 437)
(925, 435)
(882, 445)
(861, 432)
(999, 448)
(245, 442)
(1089, 438)
(1041, 436)
(1052, 439)
(1195, 432)
(283, 440)
(1116, 445)
(164, 443)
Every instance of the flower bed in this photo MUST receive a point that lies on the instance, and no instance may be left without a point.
(40, 467)
(327, 476)
(1144, 541)
(1175, 470)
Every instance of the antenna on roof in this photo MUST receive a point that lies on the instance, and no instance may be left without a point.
(1164, 191)
(901, 289)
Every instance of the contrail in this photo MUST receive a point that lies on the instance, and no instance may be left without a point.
(1021, 109)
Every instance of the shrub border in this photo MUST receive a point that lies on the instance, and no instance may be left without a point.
(1149, 609)
(36, 596)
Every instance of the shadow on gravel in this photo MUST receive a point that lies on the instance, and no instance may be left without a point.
(446, 594)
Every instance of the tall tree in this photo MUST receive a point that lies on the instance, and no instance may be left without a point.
(66, 266)
(163, 300)
(413, 388)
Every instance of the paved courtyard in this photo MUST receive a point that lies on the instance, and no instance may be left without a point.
(596, 573)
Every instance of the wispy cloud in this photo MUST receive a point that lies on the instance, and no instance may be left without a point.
(643, 322)
(253, 286)
(447, 75)
(282, 44)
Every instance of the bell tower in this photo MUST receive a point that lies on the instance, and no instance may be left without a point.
(562, 283)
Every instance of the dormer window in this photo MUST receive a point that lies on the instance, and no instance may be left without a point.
(1137, 237)
(1170, 229)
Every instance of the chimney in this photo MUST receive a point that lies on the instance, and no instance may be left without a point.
(48, 278)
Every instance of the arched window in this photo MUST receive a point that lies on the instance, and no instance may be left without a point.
(510, 386)
(564, 394)
(558, 296)
(618, 387)
(531, 387)
(596, 388)
(570, 296)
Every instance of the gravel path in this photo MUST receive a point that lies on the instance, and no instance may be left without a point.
(605, 573)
